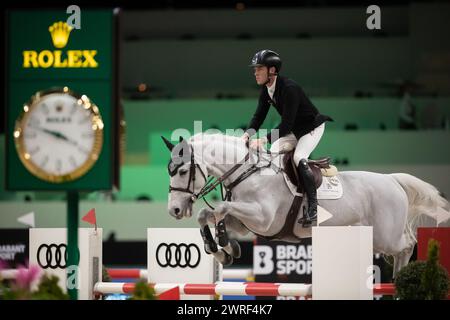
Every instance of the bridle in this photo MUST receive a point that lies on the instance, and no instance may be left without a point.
(192, 174)
(212, 182)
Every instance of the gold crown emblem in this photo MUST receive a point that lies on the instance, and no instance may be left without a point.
(60, 32)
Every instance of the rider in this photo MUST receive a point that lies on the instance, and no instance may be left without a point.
(301, 123)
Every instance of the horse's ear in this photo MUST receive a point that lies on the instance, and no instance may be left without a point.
(182, 144)
(169, 144)
(184, 150)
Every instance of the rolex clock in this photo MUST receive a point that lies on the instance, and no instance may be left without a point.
(59, 135)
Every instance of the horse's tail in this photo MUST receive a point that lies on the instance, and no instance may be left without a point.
(423, 199)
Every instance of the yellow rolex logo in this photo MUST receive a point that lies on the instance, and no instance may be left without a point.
(60, 32)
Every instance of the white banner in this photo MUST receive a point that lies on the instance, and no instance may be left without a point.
(342, 258)
(176, 255)
(48, 249)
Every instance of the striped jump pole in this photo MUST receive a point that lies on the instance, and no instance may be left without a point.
(8, 274)
(127, 273)
(386, 289)
(123, 287)
(260, 288)
(232, 288)
(143, 274)
(221, 288)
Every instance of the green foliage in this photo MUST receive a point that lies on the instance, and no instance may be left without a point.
(143, 292)
(423, 280)
(105, 275)
(7, 293)
(49, 289)
(435, 278)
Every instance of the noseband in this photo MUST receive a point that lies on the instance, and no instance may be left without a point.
(192, 172)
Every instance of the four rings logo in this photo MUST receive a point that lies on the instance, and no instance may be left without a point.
(53, 256)
(178, 255)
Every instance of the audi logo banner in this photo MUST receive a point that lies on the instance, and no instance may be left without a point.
(53, 256)
(48, 250)
(178, 255)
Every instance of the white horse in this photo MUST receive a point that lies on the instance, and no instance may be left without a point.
(391, 203)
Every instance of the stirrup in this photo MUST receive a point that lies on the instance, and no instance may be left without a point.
(306, 221)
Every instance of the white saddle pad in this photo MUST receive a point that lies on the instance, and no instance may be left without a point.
(330, 189)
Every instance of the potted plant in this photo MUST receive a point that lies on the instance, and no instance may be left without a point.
(423, 280)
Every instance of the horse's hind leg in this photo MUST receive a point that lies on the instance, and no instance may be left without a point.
(401, 259)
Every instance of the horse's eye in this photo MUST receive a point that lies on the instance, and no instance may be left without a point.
(183, 172)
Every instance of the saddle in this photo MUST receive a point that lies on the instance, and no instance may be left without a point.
(320, 167)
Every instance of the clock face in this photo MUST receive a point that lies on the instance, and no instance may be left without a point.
(59, 135)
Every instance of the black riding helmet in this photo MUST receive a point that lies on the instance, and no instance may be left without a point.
(267, 58)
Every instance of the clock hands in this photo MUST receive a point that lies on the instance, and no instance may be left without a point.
(61, 136)
(56, 134)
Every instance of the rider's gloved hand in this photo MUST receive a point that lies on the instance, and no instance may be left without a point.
(245, 137)
(258, 143)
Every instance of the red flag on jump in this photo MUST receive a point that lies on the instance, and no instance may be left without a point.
(90, 218)
(171, 294)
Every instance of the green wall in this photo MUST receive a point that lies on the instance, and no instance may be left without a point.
(145, 170)
(148, 119)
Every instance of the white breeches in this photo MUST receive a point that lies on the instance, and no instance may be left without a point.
(303, 147)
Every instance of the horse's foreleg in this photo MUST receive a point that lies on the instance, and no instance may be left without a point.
(235, 225)
(210, 244)
(202, 218)
(223, 215)
(220, 214)
(230, 246)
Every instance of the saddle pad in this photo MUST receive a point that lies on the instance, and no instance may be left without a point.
(330, 189)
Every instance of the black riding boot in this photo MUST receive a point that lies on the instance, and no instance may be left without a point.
(310, 217)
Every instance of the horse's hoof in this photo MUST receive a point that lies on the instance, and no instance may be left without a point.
(236, 248)
(228, 260)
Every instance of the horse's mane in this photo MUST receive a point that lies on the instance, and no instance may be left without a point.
(217, 137)
(227, 139)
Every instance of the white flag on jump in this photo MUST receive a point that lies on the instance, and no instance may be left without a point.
(27, 219)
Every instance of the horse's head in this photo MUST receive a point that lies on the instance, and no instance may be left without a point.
(187, 178)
